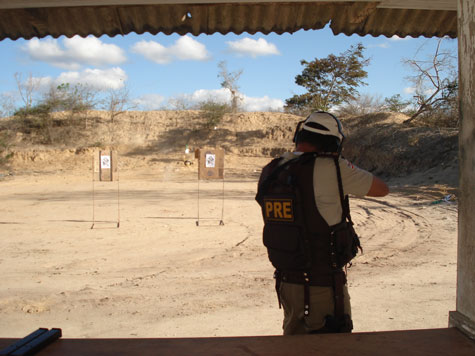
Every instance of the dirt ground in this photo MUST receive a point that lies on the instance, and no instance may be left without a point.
(161, 275)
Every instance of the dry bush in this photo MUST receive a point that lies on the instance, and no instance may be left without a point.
(361, 105)
(5, 142)
(213, 113)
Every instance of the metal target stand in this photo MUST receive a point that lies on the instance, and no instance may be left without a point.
(210, 167)
(221, 221)
(105, 167)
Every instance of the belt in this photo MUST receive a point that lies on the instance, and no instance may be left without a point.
(308, 278)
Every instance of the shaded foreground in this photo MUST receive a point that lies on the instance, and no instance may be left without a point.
(419, 342)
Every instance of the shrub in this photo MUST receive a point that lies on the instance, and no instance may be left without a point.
(48, 127)
(395, 103)
(4, 145)
(36, 119)
(213, 112)
(361, 105)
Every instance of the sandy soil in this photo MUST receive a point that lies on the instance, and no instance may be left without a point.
(161, 275)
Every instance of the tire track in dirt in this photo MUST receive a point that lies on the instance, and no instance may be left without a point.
(387, 230)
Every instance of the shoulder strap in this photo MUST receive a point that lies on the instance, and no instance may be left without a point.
(345, 204)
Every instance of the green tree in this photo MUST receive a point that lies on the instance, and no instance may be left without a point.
(395, 103)
(37, 115)
(213, 112)
(329, 81)
(73, 98)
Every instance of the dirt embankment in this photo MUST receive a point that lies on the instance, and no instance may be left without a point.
(384, 145)
(381, 142)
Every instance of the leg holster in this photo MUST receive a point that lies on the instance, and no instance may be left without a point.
(337, 323)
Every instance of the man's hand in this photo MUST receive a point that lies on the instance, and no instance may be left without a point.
(378, 188)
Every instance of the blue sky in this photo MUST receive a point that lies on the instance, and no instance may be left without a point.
(157, 69)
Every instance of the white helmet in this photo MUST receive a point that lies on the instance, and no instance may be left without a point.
(323, 123)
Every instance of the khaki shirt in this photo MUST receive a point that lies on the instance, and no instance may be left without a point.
(355, 181)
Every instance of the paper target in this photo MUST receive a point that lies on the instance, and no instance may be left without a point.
(105, 162)
(210, 160)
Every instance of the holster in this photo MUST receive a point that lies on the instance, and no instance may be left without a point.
(333, 324)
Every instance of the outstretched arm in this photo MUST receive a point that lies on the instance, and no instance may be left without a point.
(378, 188)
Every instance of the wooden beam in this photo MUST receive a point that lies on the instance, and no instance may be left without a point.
(391, 343)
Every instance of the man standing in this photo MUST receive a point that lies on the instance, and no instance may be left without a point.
(307, 226)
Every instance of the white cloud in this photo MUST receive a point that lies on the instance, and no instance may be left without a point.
(219, 95)
(199, 96)
(424, 91)
(185, 48)
(262, 104)
(379, 45)
(75, 52)
(149, 102)
(153, 51)
(113, 78)
(42, 82)
(46, 50)
(224, 96)
(93, 51)
(397, 38)
(253, 48)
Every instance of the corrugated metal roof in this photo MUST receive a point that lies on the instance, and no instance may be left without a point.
(401, 22)
(344, 17)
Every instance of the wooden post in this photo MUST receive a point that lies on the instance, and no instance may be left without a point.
(464, 317)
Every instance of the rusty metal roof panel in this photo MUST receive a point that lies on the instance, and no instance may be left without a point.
(401, 22)
(345, 17)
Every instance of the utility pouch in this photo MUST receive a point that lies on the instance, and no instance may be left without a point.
(342, 324)
(345, 242)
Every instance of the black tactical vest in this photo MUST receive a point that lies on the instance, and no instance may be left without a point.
(295, 234)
